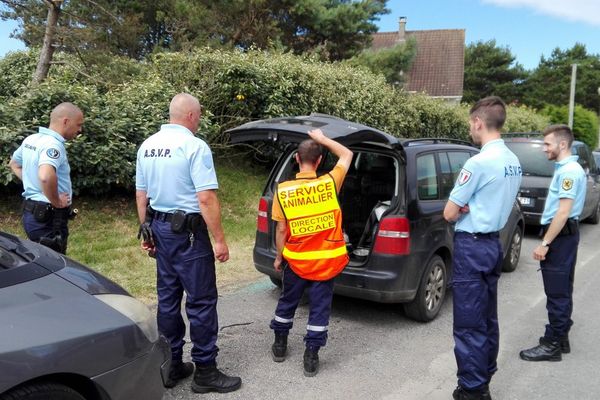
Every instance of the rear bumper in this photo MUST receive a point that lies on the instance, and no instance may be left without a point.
(532, 218)
(397, 284)
(142, 378)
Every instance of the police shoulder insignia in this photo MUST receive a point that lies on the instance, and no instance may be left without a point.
(463, 177)
(567, 184)
(53, 153)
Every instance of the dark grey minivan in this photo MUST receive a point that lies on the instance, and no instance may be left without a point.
(392, 203)
(538, 171)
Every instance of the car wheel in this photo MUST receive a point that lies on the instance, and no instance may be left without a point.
(42, 391)
(595, 217)
(276, 282)
(511, 260)
(431, 293)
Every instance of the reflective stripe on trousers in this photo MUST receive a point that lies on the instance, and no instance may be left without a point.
(320, 294)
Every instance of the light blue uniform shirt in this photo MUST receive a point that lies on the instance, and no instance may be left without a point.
(488, 183)
(46, 147)
(172, 166)
(568, 182)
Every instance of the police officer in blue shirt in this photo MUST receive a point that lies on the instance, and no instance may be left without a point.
(41, 163)
(558, 251)
(176, 175)
(480, 203)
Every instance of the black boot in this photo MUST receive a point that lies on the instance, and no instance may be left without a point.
(463, 394)
(279, 348)
(565, 346)
(547, 350)
(210, 379)
(178, 371)
(311, 361)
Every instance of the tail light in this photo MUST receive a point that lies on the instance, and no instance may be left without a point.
(393, 236)
(262, 220)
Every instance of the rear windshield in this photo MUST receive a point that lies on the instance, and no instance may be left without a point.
(532, 158)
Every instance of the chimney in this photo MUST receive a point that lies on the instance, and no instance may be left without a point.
(401, 29)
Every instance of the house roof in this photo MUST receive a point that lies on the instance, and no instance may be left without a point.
(438, 67)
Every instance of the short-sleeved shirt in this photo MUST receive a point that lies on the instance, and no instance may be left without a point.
(338, 173)
(568, 182)
(172, 166)
(488, 183)
(46, 147)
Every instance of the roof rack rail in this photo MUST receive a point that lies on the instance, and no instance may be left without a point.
(408, 142)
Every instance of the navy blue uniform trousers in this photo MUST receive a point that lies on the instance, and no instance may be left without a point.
(184, 265)
(477, 264)
(35, 230)
(320, 294)
(558, 272)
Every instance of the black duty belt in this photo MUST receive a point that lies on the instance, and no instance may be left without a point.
(487, 235)
(29, 205)
(571, 227)
(168, 217)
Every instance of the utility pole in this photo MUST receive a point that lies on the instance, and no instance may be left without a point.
(572, 97)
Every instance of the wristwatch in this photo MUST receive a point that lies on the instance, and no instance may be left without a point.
(545, 244)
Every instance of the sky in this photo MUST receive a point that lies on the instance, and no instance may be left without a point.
(529, 28)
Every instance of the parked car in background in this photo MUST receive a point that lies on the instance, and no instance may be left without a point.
(596, 154)
(68, 333)
(538, 171)
(392, 204)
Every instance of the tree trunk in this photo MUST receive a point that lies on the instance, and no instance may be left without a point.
(43, 66)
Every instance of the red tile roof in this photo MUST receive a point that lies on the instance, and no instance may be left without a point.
(438, 67)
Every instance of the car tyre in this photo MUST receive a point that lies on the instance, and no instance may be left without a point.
(431, 293)
(595, 217)
(42, 391)
(511, 260)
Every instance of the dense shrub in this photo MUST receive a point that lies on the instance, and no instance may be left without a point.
(124, 102)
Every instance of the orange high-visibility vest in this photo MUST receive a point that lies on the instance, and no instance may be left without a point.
(315, 247)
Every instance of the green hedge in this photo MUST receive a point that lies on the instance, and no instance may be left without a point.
(124, 102)
(585, 122)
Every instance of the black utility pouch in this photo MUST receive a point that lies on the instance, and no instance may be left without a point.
(179, 221)
(42, 212)
(194, 222)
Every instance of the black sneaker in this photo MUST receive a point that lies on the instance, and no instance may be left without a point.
(210, 379)
(177, 372)
(279, 348)
(311, 361)
(547, 350)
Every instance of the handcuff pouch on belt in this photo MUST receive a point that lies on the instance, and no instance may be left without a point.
(42, 212)
(182, 221)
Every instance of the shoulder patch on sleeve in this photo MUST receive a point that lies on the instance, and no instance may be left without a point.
(463, 177)
(53, 153)
(567, 184)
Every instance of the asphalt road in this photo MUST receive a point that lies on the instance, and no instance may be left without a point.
(375, 352)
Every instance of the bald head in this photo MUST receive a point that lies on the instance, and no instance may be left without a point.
(185, 110)
(66, 119)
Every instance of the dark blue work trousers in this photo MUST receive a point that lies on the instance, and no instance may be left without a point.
(558, 272)
(184, 265)
(35, 229)
(477, 264)
(320, 294)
